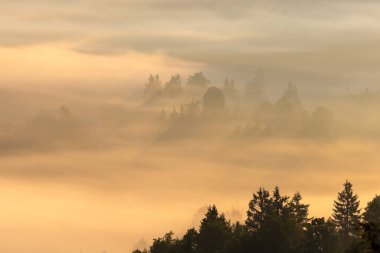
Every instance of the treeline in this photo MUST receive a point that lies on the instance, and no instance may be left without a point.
(281, 224)
(250, 113)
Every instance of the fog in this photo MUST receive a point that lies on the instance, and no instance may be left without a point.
(123, 120)
(96, 169)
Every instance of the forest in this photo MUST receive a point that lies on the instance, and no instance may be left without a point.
(278, 223)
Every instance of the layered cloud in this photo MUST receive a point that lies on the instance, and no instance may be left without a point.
(307, 41)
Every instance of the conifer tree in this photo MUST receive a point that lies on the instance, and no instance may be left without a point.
(153, 86)
(346, 214)
(214, 232)
(319, 236)
(280, 203)
(372, 211)
(300, 211)
(260, 208)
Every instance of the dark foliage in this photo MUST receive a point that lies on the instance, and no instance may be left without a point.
(280, 224)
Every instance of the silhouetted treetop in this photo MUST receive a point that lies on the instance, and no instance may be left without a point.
(372, 211)
(346, 213)
(277, 223)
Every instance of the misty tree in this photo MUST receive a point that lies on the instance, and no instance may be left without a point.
(153, 86)
(174, 114)
(213, 102)
(173, 88)
(254, 90)
(372, 211)
(346, 212)
(197, 80)
(229, 89)
(320, 124)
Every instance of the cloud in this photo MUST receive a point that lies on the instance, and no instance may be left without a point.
(27, 38)
(289, 38)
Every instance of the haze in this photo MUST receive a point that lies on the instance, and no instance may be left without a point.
(98, 153)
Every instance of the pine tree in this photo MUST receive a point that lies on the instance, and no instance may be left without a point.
(214, 232)
(346, 214)
(153, 86)
(260, 207)
(300, 211)
(280, 203)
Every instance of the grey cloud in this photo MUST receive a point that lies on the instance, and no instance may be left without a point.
(147, 43)
(25, 38)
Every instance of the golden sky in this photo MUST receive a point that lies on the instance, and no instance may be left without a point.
(68, 200)
(318, 43)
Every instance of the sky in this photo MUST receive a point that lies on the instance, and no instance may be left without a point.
(93, 56)
(332, 44)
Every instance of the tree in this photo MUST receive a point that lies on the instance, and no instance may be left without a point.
(198, 80)
(319, 236)
(280, 203)
(139, 251)
(241, 240)
(300, 211)
(346, 214)
(273, 223)
(214, 232)
(173, 88)
(372, 211)
(229, 89)
(189, 241)
(254, 91)
(369, 240)
(213, 103)
(153, 86)
(260, 208)
(167, 244)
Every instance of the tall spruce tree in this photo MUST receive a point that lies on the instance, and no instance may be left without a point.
(346, 214)
(300, 211)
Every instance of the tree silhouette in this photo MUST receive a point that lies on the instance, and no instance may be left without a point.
(272, 220)
(260, 207)
(319, 236)
(214, 232)
(346, 213)
(372, 211)
(301, 211)
(189, 242)
(167, 244)
(279, 224)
